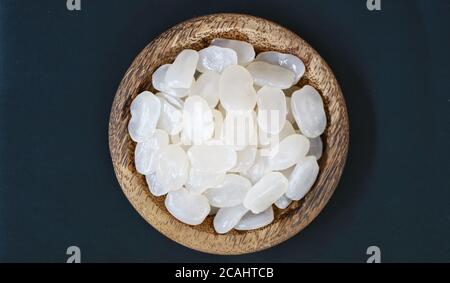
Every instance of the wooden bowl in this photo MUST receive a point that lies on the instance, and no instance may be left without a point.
(197, 34)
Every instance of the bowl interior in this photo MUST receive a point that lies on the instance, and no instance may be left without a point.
(264, 36)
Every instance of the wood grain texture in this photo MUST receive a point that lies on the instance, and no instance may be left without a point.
(264, 36)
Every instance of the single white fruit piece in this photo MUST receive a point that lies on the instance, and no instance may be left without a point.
(159, 78)
(154, 186)
(236, 90)
(230, 193)
(198, 124)
(216, 59)
(187, 207)
(228, 217)
(288, 152)
(181, 73)
(283, 202)
(146, 153)
(200, 181)
(244, 50)
(251, 221)
(145, 111)
(307, 107)
(207, 86)
(284, 60)
(316, 147)
(212, 158)
(173, 167)
(240, 129)
(302, 178)
(267, 191)
(272, 109)
(159, 83)
(171, 119)
(245, 159)
(265, 74)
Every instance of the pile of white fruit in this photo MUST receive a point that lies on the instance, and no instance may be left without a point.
(228, 135)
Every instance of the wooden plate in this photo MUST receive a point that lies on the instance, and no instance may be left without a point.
(263, 35)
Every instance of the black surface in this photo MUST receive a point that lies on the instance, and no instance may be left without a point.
(59, 71)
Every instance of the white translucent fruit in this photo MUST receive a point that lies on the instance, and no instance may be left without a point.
(265, 192)
(207, 86)
(228, 135)
(212, 158)
(155, 188)
(181, 73)
(288, 152)
(283, 202)
(230, 193)
(251, 221)
(236, 90)
(171, 119)
(244, 50)
(199, 181)
(198, 123)
(302, 178)
(287, 61)
(308, 110)
(159, 83)
(216, 59)
(145, 111)
(228, 217)
(272, 109)
(266, 74)
(146, 153)
(189, 208)
(173, 167)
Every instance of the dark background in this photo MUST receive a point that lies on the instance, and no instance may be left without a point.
(59, 71)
